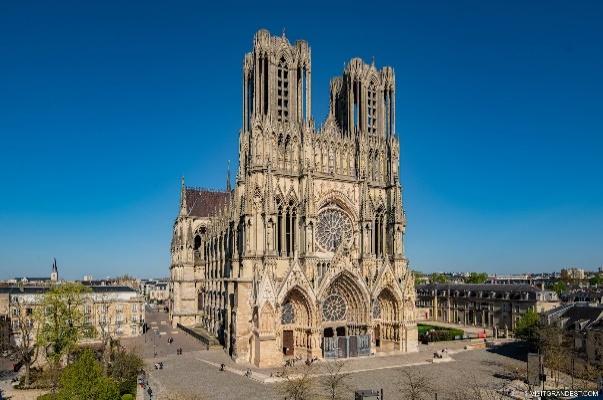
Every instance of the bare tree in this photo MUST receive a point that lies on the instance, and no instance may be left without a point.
(334, 381)
(24, 344)
(414, 386)
(473, 389)
(104, 323)
(298, 382)
(555, 351)
(589, 375)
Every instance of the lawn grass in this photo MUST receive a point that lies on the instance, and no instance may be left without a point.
(441, 332)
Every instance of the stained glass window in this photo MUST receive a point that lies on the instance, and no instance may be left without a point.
(333, 227)
(334, 308)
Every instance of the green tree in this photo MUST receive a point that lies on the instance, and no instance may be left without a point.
(477, 277)
(559, 287)
(418, 275)
(596, 280)
(124, 370)
(527, 327)
(438, 278)
(62, 325)
(84, 380)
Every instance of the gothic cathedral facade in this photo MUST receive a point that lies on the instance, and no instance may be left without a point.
(304, 257)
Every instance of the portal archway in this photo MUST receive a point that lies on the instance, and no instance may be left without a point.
(296, 318)
(345, 305)
(386, 316)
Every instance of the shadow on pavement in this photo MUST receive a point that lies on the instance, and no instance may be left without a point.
(515, 350)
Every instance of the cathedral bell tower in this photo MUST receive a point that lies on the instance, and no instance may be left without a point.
(276, 81)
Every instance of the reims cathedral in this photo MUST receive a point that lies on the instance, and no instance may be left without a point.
(304, 257)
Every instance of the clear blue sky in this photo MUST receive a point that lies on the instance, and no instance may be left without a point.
(104, 106)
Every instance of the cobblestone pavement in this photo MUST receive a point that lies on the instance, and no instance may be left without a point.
(192, 373)
(197, 370)
(156, 338)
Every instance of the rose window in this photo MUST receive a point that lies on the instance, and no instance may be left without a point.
(334, 308)
(333, 227)
(288, 314)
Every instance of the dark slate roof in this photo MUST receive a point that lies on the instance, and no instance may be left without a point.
(25, 289)
(203, 202)
(519, 287)
(109, 288)
(32, 278)
(42, 289)
(582, 313)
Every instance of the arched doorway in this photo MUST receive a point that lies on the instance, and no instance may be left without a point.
(344, 318)
(296, 323)
(386, 317)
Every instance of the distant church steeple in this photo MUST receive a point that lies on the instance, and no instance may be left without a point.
(54, 275)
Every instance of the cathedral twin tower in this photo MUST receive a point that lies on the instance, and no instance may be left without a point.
(305, 256)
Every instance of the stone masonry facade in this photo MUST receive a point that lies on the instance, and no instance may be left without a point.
(307, 248)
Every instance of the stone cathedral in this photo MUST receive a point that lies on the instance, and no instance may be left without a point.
(304, 257)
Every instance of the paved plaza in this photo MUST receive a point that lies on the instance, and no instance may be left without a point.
(197, 370)
(193, 372)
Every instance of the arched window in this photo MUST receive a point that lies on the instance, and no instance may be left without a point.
(378, 227)
(371, 110)
(279, 228)
(282, 87)
(197, 243)
(290, 228)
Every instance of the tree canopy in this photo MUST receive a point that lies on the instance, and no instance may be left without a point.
(84, 380)
(596, 280)
(477, 277)
(61, 320)
(124, 370)
(527, 327)
(559, 287)
(438, 278)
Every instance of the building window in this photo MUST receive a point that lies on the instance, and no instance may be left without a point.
(378, 233)
(290, 228)
(371, 109)
(282, 87)
(333, 227)
(279, 229)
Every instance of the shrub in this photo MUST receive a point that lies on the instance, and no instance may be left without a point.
(124, 370)
(84, 380)
(127, 396)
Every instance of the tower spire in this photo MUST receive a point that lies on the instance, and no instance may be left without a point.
(183, 206)
(54, 274)
(228, 178)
